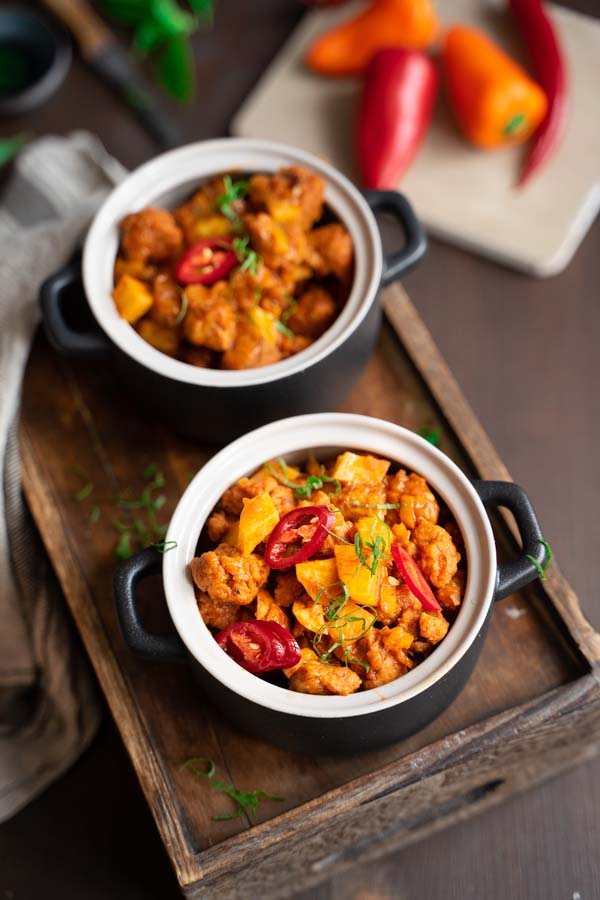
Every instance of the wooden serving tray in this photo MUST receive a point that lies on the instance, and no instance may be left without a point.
(531, 708)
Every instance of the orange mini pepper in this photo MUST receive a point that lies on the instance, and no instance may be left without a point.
(494, 100)
(348, 49)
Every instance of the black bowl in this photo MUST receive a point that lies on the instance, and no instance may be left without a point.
(35, 56)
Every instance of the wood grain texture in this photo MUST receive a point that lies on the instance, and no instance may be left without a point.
(525, 354)
(164, 720)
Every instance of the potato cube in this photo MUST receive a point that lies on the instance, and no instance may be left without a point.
(257, 520)
(164, 339)
(370, 528)
(307, 655)
(264, 325)
(350, 469)
(309, 614)
(132, 298)
(212, 227)
(316, 576)
(351, 623)
(269, 611)
(362, 585)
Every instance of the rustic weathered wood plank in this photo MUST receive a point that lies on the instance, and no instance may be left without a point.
(420, 347)
(78, 420)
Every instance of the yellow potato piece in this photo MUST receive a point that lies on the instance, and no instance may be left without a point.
(290, 472)
(258, 519)
(212, 227)
(363, 587)
(283, 212)
(132, 298)
(353, 469)
(370, 528)
(316, 575)
(264, 324)
(268, 611)
(164, 339)
(397, 639)
(306, 656)
(346, 631)
(309, 614)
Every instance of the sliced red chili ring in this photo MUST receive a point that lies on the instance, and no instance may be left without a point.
(259, 646)
(414, 578)
(206, 261)
(298, 535)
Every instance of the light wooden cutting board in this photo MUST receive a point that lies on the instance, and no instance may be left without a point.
(462, 195)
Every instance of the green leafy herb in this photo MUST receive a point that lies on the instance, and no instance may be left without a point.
(284, 329)
(247, 801)
(84, 492)
(164, 28)
(164, 546)
(183, 309)
(249, 258)
(289, 310)
(375, 505)
(11, 147)
(124, 549)
(359, 550)
(344, 595)
(313, 482)
(94, 514)
(146, 529)
(175, 68)
(430, 434)
(338, 620)
(173, 21)
(377, 548)
(203, 8)
(338, 537)
(126, 12)
(542, 569)
(234, 190)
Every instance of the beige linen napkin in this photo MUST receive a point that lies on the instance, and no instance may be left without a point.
(48, 708)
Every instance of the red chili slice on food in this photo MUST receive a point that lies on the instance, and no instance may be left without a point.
(414, 578)
(206, 262)
(298, 535)
(259, 646)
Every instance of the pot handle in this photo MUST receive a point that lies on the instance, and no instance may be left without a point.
(65, 339)
(512, 576)
(397, 263)
(167, 647)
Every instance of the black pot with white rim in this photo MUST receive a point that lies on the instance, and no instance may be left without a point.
(216, 405)
(333, 724)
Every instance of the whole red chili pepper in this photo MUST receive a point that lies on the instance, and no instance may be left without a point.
(396, 108)
(549, 69)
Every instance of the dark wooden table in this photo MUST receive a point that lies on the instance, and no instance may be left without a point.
(525, 353)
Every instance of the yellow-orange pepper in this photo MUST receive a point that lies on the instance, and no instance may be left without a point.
(347, 49)
(494, 100)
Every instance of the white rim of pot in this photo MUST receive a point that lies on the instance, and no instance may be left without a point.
(329, 432)
(172, 177)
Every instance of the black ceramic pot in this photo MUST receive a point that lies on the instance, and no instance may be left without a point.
(216, 405)
(369, 719)
(36, 56)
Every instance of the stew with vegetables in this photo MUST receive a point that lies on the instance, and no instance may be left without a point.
(341, 576)
(245, 273)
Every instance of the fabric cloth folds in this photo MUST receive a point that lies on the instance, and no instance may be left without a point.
(48, 707)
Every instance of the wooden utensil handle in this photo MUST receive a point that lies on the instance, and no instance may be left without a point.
(88, 29)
